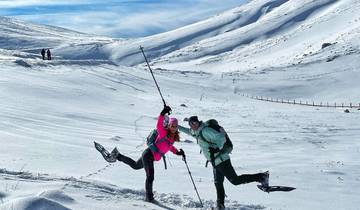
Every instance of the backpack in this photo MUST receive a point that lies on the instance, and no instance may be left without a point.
(151, 137)
(228, 145)
(150, 142)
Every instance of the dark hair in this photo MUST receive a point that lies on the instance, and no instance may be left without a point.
(193, 119)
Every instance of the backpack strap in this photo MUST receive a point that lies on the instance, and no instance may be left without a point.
(203, 138)
(154, 148)
(227, 139)
(162, 140)
(211, 143)
(212, 156)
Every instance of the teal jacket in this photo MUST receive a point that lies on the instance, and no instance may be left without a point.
(213, 139)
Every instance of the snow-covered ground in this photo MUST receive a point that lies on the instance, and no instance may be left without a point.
(97, 88)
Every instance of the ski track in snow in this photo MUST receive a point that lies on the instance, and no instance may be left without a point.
(105, 192)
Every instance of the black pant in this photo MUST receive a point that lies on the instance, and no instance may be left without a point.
(146, 161)
(225, 169)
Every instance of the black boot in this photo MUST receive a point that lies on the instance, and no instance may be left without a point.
(264, 179)
(149, 197)
(149, 190)
(116, 154)
(220, 206)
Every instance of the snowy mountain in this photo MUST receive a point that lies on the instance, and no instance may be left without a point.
(30, 38)
(98, 88)
(259, 25)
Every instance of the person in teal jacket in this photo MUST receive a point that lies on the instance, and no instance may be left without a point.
(213, 146)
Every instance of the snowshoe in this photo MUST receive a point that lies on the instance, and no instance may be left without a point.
(106, 154)
(269, 189)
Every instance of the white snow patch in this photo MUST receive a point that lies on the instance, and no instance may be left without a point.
(32, 203)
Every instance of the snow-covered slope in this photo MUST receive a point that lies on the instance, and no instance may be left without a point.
(240, 37)
(16, 34)
(24, 37)
(300, 43)
(168, 42)
(284, 32)
(52, 111)
(51, 114)
(233, 36)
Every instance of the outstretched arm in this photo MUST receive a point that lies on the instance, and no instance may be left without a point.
(185, 130)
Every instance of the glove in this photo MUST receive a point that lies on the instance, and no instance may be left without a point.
(165, 110)
(213, 150)
(182, 153)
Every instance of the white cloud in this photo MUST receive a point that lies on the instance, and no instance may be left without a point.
(18, 3)
(139, 20)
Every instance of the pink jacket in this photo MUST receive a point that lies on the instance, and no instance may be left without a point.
(163, 145)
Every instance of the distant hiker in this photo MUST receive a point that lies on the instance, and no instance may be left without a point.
(162, 143)
(215, 144)
(43, 53)
(48, 53)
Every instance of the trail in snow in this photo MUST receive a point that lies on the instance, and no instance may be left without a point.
(96, 191)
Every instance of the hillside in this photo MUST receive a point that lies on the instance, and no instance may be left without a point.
(98, 89)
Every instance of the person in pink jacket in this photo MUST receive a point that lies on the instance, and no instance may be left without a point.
(166, 137)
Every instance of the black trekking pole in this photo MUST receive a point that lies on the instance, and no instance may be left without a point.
(142, 50)
(193, 183)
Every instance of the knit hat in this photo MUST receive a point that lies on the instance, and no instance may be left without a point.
(173, 121)
(193, 119)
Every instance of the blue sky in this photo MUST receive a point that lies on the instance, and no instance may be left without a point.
(116, 18)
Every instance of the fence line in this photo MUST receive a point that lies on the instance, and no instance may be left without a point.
(303, 103)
